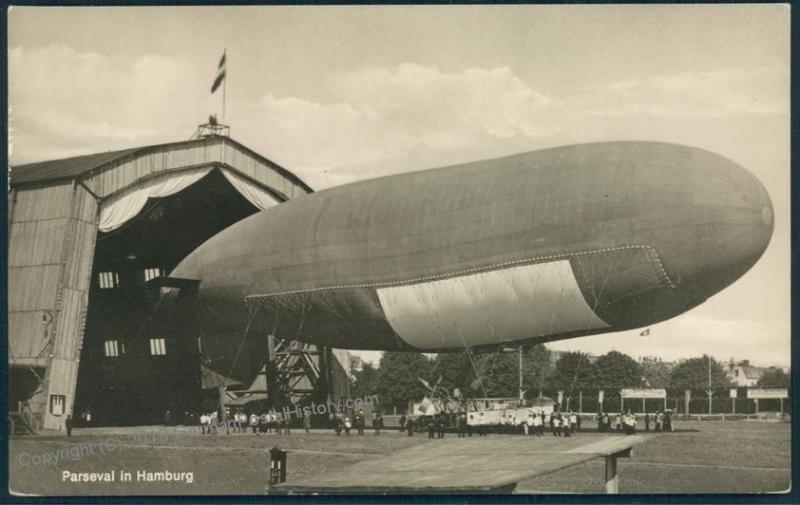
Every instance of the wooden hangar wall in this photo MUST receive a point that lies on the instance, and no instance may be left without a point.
(52, 230)
(55, 209)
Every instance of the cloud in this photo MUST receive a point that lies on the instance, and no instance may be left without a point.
(410, 116)
(428, 102)
(761, 91)
(400, 118)
(765, 342)
(373, 121)
(65, 102)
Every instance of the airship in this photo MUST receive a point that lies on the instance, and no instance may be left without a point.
(530, 248)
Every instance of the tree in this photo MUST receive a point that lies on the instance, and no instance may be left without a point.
(774, 378)
(655, 373)
(499, 373)
(399, 375)
(454, 369)
(617, 370)
(693, 374)
(365, 381)
(573, 370)
(498, 370)
(536, 368)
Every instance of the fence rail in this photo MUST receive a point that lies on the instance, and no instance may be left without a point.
(721, 403)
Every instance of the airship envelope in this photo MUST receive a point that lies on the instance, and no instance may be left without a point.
(538, 246)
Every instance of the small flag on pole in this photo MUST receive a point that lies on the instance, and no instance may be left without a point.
(220, 74)
(645, 333)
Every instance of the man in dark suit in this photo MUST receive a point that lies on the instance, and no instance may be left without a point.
(68, 425)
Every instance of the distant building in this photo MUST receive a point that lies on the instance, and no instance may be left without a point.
(655, 371)
(356, 364)
(743, 374)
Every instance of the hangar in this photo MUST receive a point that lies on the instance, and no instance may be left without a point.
(95, 323)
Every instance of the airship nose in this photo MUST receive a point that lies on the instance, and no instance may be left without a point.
(705, 221)
(729, 226)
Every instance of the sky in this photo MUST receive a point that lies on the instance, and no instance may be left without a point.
(342, 93)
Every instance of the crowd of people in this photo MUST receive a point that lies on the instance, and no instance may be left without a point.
(343, 423)
(535, 423)
(627, 422)
(559, 424)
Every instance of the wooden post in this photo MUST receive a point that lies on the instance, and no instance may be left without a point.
(644, 409)
(580, 401)
(612, 481)
(269, 371)
(521, 391)
(756, 400)
(221, 393)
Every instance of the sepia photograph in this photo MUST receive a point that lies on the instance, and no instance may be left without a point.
(399, 250)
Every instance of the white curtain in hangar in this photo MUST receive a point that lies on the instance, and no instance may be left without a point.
(254, 193)
(122, 207)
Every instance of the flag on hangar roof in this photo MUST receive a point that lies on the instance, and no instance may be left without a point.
(220, 74)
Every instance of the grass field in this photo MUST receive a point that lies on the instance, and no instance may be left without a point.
(719, 457)
(702, 457)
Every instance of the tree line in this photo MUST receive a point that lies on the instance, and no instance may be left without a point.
(496, 374)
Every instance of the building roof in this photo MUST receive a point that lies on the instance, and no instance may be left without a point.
(542, 401)
(78, 166)
(65, 168)
(752, 372)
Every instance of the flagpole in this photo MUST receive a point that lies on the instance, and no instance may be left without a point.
(224, 82)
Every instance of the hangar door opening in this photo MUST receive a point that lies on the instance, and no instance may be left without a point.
(141, 357)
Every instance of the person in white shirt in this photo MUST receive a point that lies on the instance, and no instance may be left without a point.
(538, 422)
(630, 423)
(530, 423)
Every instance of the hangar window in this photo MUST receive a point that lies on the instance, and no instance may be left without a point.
(152, 273)
(158, 347)
(108, 280)
(57, 404)
(112, 348)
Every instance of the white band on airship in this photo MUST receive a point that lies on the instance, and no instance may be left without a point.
(510, 304)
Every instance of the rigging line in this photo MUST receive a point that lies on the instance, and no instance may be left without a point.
(589, 325)
(277, 320)
(250, 318)
(475, 369)
(210, 309)
(469, 355)
(615, 263)
(303, 315)
(492, 365)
